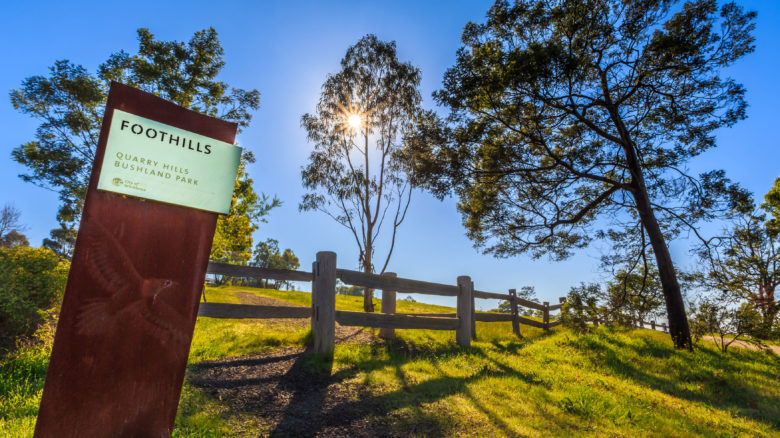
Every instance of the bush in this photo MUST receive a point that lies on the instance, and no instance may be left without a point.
(32, 280)
(581, 307)
(726, 323)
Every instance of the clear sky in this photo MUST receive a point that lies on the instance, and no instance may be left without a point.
(285, 50)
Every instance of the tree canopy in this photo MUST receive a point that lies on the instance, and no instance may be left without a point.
(267, 255)
(353, 174)
(565, 112)
(11, 227)
(742, 266)
(70, 101)
(233, 235)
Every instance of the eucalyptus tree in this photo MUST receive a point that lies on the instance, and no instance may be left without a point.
(353, 174)
(562, 112)
(772, 206)
(743, 265)
(10, 220)
(70, 101)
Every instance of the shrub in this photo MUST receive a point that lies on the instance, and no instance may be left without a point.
(32, 280)
(726, 323)
(581, 307)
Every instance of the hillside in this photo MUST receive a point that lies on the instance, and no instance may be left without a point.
(254, 377)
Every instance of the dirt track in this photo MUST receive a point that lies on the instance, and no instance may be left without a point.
(290, 395)
(746, 345)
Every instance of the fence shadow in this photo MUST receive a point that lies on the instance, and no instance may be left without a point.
(298, 393)
(307, 381)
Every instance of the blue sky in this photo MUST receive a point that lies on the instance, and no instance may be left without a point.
(285, 50)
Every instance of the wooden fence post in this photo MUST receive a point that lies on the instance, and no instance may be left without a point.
(388, 306)
(323, 301)
(652, 325)
(465, 300)
(513, 307)
(546, 315)
(663, 326)
(473, 318)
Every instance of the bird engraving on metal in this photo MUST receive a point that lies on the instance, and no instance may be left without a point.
(126, 293)
(130, 304)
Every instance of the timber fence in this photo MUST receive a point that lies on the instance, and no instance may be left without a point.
(324, 315)
(653, 325)
(661, 327)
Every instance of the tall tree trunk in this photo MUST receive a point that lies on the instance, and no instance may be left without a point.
(767, 306)
(675, 307)
(368, 293)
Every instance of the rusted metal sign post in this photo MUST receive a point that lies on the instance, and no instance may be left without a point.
(121, 346)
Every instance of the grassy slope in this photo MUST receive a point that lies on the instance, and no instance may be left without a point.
(617, 383)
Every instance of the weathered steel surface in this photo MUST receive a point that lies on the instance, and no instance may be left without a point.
(131, 300)
(225, 310)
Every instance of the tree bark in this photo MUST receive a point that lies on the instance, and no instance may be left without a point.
(675, 307)
(368, 293)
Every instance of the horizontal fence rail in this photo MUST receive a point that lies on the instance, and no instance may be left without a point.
(492, 317)
(255, 272)
(653, 325)
(395, 321)
(661, 327)
(373, 281)
(224, 310)
(324, 316)
(531, 322)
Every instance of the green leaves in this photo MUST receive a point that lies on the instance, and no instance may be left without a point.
(548, 101)
(357, 174)
(31, 281)
(69, 104)
(233, 235)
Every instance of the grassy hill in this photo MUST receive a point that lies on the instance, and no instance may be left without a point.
(607, 383)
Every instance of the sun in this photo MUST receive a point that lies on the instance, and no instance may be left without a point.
(354, 121)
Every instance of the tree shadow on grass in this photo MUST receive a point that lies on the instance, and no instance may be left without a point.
(295, 393)
(725, 389)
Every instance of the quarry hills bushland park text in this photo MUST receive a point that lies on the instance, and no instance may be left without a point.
(149, 159)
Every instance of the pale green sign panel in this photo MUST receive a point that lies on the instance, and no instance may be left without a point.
(152, 160)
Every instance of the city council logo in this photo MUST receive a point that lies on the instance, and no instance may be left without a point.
(117, 181)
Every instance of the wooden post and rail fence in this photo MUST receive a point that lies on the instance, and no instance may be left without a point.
(324, 315)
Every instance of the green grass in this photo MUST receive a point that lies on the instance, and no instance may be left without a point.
(22, 374)
(607, 383)
(215, 338)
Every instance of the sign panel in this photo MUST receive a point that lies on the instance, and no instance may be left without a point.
(131, 301)
(152, 160)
